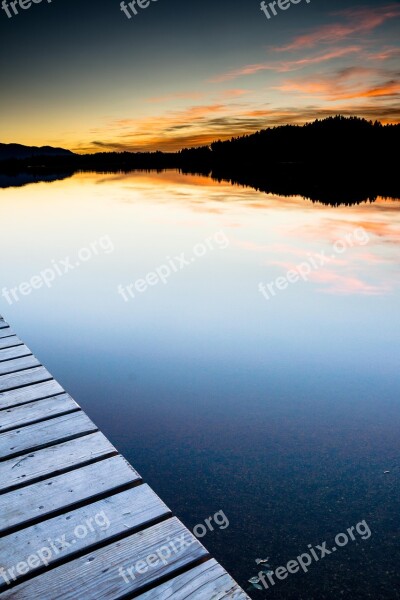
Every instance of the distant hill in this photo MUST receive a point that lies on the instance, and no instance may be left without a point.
(338, 160)
(18, 151)
(334, 140)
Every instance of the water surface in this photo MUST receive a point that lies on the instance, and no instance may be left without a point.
(282, 412)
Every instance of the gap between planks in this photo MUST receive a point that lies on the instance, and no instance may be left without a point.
(60, 493)
(60, 458)
(30, 393)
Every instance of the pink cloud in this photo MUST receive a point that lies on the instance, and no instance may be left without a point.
(346, 285)
(336, 283)
(284, 66)
(357, 21)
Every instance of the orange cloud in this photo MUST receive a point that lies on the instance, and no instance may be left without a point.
(193, 126)
(390, 88)
(235, 93)
(330, 92)
(345, 84)
(173, 131)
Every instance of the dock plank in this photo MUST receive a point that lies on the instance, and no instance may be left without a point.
(50, 461)
(83, 528)
(14, 352)
(3, 323)
(9, 342)
(36, 411)
(6, 332)
(208, 581)
(37, 391)
(16, 380)
(18, 364)
(44, 433)
(97, 576)
(40, 500)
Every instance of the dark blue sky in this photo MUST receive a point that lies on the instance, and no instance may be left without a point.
(83, 75)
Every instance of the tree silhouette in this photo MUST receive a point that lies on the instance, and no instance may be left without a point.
(334, 160)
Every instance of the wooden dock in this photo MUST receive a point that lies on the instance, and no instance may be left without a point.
(76, 520)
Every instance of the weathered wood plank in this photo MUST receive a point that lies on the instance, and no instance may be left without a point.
(19, 364)
(14, 352)
(6, 332)
(45, 433)
(15, 380)
(208, 581)
(40, 500)
(83, 528)
(97, 575)
(50, 461)
(8, 342)
(36, 411)
(37, 391)
(3, 323)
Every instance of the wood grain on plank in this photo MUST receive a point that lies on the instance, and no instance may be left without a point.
(15, 380)
(14, 352)
(40, 500)
(50, 461)
(18, 364)
(37, 391)
(97, 576)
(83, 528)
(36, 411)
(44, 433)
(208, 581)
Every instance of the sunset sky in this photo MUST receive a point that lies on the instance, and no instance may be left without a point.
(184, 73)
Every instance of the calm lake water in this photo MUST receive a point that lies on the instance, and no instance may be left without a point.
(281, 412)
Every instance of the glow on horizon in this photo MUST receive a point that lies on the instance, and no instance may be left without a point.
(341, 67)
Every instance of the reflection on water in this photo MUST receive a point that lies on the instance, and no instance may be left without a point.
(282, 413)
(330, 185)
(21, 179)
